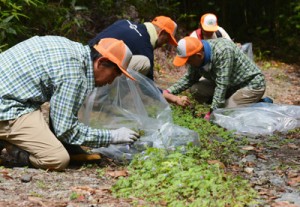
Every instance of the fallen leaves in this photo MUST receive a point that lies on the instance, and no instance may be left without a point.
(261, 156)
(248, 148)
(253, 148)
(6, 175)
(82, 190)
(294, 181)
(117, 173)
(292, 146)
(283, 204)
(212, 162)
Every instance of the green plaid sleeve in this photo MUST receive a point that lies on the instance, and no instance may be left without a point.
(191, 76)
(65, 104)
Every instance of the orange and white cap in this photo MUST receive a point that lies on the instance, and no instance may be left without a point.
(187, 47)
(167, 24)
(209, 22)
(117, 52)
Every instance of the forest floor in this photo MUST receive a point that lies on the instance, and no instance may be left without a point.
(273, 164)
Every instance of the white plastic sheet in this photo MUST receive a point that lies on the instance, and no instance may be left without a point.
(259, 118)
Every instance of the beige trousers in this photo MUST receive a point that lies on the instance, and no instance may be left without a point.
(140, 63)
(31, 133)
(203, 92)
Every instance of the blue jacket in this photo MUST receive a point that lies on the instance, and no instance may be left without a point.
(135, 37)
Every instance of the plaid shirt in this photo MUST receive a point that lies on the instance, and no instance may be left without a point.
(228, 67)
(51, 69)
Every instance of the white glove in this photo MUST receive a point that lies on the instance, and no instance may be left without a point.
(123, 135)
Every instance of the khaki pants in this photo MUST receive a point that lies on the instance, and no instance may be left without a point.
(203, 92)
(140, 63)
(31, 133)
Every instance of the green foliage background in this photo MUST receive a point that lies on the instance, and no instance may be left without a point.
(272, 26)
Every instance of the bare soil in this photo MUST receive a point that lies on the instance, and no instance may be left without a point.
(273, 165)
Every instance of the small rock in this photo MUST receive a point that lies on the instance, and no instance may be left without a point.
(250, 158)
(26, 178)
(249, 170)
(291, 197)
(277, 181)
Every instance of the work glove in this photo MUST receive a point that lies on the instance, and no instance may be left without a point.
(123, 135)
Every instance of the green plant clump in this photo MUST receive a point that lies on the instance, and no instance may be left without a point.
(216, 142)
(178, 179)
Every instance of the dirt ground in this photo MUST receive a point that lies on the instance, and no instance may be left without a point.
(273, 168)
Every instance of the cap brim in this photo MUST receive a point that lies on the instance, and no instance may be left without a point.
(180, 61)
(126, 73)
(210, 28)
(173, 41)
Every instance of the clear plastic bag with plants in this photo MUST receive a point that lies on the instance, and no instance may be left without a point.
(140, 106)
(259, 118)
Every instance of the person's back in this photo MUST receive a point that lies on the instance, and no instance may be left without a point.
(142, 39)
(135, 36)
(229, 59)
(21, 87)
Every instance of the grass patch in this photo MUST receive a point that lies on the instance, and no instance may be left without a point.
(179, 179)
(184, 177)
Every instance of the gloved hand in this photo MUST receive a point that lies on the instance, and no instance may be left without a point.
(123, 135)
(207, 116)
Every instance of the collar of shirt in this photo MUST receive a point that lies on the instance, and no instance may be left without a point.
(152, 33)
(207, 53)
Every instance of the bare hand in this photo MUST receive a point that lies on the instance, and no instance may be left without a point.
(183, 101)
(179, 100)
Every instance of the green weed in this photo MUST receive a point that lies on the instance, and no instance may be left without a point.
(180, 179)
(41, 184)
(35, 194)
(74, 196)
(216, 142)
(183, 177)
(100, 172)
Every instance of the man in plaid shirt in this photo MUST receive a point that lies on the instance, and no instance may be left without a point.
(63, 72)
(228, 77)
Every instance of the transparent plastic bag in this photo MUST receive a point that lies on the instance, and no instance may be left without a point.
(247, 49)
(140, 106)
(125, 103)
(169, 136)
(258, 119)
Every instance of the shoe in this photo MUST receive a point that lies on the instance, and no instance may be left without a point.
(13, 156)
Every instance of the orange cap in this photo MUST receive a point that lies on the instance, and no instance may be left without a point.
(117, 52)
(167, 24)
(209, 22)
(187, 47)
